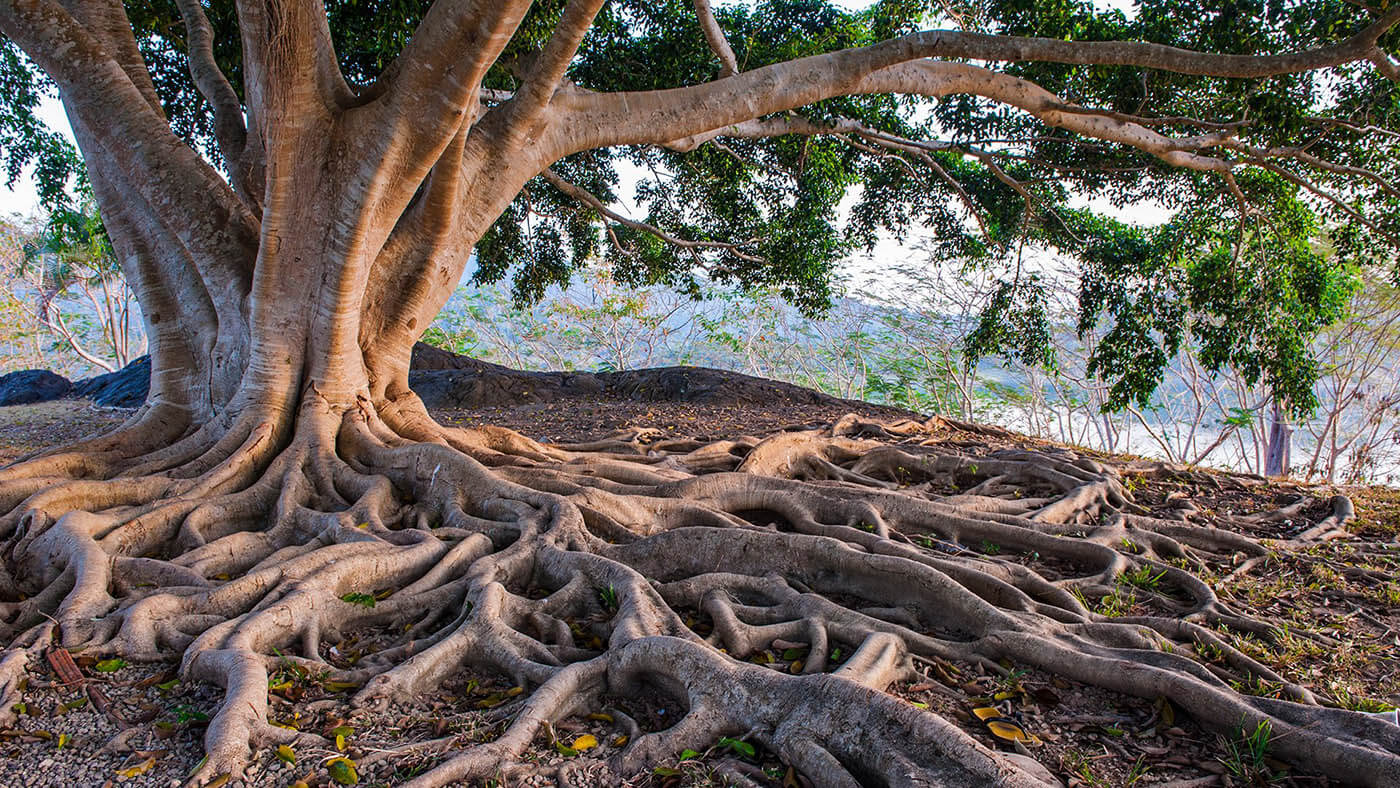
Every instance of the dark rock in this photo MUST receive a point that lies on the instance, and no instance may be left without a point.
(32, 385)
(125, 388)
(445, 380)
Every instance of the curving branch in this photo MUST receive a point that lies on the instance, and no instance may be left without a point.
(229, 128)
(658, 116)
(587, 198)
(714, 35)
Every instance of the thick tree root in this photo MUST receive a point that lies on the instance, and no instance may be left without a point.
(237, 542)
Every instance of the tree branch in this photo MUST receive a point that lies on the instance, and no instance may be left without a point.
(440, 69)
(229, 129)
(658, 116)
(588, 199)
(547, 72)
(714, 35)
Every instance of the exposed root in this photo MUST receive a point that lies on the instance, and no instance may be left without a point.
(599, 569)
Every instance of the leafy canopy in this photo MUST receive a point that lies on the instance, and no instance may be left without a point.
(1250, 269)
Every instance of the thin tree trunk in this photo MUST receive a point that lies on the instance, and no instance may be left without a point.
(1278, 454)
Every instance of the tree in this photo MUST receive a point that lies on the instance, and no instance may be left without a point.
(70, 259)
(360, 156)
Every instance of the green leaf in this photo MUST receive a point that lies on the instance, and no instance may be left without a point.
(285, 754)
(689, 754)
(738, 745)
(358, 598)
(342, 770)
(110, 665)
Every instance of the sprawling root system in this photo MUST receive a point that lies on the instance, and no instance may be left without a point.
(240, 546)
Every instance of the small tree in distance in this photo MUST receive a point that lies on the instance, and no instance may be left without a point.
(77, 283)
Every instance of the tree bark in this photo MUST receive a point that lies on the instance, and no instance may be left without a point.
(1278, 454)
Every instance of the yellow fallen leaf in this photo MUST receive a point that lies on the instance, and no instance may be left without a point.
(137, 770)
(513, 691)
(491, 701)
(1006, 729)
(620, 741)
(220, 781)
(284, 753)
(600, 717)
(1165, 713)
(585, 742)
(986, 713)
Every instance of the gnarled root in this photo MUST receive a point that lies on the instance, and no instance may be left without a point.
(600, 569)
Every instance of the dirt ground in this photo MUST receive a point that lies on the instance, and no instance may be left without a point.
(1346, 590)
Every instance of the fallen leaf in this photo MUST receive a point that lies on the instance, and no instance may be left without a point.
(342, 770)
(137, 770)
(1009, 730)
(109, 665)
(738, 745)
(76, 703)
(585, 742)
(1165, 713)
(491, 701)
(285, 754)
